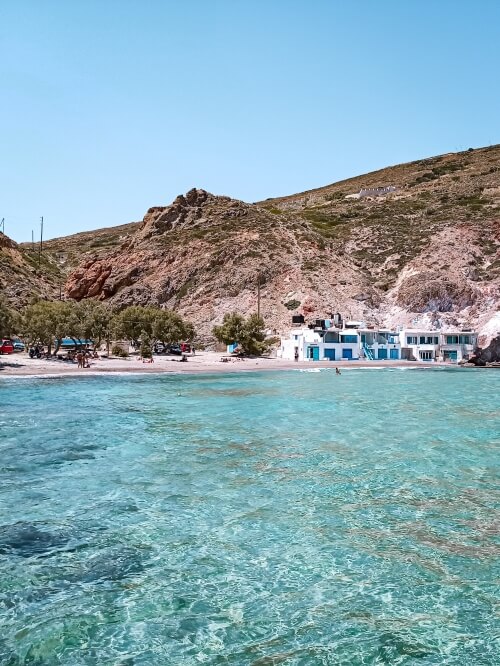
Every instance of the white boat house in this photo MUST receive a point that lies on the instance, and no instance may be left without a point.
(321, 342)
(424, 345)
(326, 340)
(379, 345)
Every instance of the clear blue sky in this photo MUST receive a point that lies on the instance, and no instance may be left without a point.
(112, 106)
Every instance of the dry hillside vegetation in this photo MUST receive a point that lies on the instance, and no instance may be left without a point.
(427, 253)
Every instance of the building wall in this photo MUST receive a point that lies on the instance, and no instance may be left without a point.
(441, 348)
(303, 339)
(436, 345)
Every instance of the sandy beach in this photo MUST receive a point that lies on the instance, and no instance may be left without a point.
(19, 365)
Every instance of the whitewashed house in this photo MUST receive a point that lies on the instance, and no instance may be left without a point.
(422, 345)
(457, 345)
(351, 340)
(320, 343)
(380, 344)
(419, 345)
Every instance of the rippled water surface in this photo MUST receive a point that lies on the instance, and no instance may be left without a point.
(256, 519)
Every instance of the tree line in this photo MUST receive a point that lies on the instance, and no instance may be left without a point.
(48, 322)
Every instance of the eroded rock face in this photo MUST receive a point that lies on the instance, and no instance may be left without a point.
(425, 254)
(427, 292)
(489, 354)
(186, 211)
(203, 254)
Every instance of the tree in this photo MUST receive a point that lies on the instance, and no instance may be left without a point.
(93, 321)
(49, 321)
(132, 321)
(254, 341)
(169, 327)
(158, 325)
(146, 347)
(248, 333)
(8, 318)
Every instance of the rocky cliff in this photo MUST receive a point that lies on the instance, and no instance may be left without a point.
(425, 250)
(414, 244)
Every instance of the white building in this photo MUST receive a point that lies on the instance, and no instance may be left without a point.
(457, 345)
(419, 345)
(320, 344)
(424, 345)
(325, 342)
(380, 344)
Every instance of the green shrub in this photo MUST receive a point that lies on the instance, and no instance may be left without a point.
(116, 350)
(292, 305)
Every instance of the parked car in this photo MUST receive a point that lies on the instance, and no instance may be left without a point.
(6, 347)
(18, 345)
(174, 349)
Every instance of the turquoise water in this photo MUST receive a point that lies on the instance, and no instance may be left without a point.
(256, 519)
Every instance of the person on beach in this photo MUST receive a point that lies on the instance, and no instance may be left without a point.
(296, 354)
(337, 371)
(79, 358)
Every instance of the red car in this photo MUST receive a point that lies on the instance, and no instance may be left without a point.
(6, 347)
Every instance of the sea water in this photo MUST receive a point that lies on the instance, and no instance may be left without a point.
(251, 519)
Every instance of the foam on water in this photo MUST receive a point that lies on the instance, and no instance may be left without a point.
(250, 519)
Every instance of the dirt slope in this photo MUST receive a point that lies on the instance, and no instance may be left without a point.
(24, 273)
(424, 251)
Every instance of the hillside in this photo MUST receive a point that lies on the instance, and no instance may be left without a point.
(24, 273)
(424, 250)
(69, 250)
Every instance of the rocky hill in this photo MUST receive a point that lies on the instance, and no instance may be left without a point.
(416, 243)
(25, 273)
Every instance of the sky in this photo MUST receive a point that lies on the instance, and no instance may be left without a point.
(109, 107)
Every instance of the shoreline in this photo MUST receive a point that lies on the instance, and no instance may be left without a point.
(202, 363)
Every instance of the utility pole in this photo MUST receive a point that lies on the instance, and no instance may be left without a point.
(2, 225)
(41, 243)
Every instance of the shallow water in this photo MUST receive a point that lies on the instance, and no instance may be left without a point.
(257, 519)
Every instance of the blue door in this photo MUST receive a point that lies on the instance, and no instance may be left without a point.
(330, 354)
(347, 353)
(382, 354)
(395, 354)
(315, 353)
